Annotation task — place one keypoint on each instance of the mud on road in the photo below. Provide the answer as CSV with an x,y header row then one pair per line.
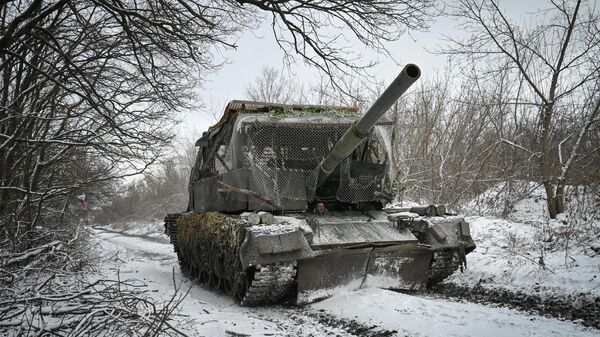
x,y
295,320
580,308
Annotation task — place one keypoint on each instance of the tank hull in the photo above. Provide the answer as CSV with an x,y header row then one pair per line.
x,y
302,258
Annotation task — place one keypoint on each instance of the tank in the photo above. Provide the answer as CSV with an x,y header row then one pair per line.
x,y
287,203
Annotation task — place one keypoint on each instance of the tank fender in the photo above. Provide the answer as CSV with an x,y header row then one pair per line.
x,y
266,244
448,232
465,230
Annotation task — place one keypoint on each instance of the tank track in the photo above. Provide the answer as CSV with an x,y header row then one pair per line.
x,y
271,284
444,263
171,231
171,228
254,286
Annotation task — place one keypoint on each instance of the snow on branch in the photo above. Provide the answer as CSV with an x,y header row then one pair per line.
x,y
40,295
32,252
101,308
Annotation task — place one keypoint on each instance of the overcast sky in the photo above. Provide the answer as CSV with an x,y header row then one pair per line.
x,y
258,49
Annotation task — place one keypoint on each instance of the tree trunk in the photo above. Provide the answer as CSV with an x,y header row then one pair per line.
x,y
546,161
560,198
550,198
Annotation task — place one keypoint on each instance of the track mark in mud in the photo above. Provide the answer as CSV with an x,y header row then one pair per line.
x,y
353,327
583,309
296,320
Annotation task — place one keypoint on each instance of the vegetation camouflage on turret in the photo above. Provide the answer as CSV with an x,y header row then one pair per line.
x,y
286,112
209,248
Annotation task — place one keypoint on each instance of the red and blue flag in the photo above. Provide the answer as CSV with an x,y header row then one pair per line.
x,y
83,200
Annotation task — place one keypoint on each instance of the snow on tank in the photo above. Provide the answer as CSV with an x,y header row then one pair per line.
x,y
251,230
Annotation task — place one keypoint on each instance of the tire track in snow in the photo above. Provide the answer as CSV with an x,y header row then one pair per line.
x,y
224,314
291,320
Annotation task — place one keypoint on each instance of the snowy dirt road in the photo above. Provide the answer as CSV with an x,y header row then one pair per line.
x,y
367,312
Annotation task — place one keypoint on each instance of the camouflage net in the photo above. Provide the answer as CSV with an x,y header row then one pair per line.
x,y
208,245
283,158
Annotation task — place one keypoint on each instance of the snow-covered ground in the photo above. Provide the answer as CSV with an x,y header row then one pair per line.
x,y
422,316
208,313
153,229
508,255
204,312
530,253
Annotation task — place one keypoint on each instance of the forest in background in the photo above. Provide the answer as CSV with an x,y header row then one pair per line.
x,y
518,102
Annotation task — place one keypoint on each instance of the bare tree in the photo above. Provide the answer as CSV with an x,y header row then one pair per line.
x,y
89,87
83,101
554,61
273,86
439,140
160,190
307,29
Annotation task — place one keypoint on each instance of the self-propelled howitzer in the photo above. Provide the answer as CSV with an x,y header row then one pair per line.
x,y
251,228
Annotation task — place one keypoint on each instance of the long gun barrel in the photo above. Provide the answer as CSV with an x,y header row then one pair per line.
x,y
352,138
